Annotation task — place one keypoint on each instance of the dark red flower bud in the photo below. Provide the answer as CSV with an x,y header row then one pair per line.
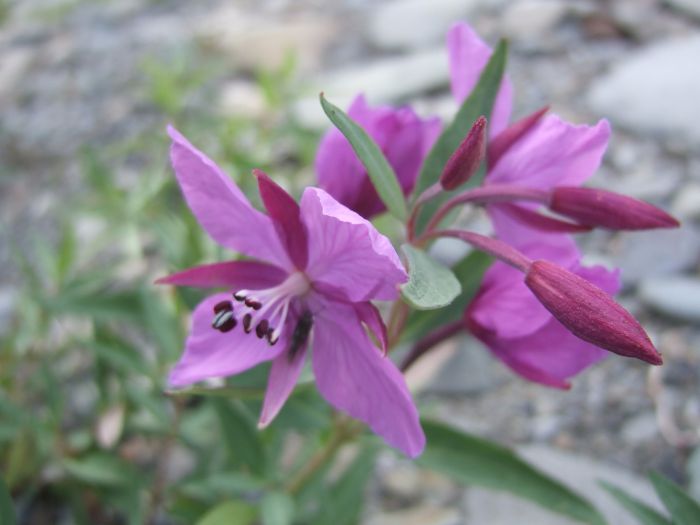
x,y
512,134
606,209
589,313
465,161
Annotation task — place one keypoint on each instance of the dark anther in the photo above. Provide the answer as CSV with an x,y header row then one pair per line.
x,y
224,321
238,296
252,303
223,306
270,331
261,329
247,319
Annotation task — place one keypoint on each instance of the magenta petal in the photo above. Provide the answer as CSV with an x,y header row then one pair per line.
x,y
284,374
230,274
370,316
210,353
346,252
220,206
553,153
353,376
468,55
284,212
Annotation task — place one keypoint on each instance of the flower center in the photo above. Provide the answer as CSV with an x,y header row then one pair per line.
x,y
264,311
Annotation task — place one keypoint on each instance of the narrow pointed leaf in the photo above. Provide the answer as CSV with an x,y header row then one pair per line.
x,y
7,511
480,102
641,511
683,508
378,168
430,284
474,461
241,438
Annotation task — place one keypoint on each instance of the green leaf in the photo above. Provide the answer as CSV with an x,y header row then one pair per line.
x,y
7,511
378,168
229,513
643,512
480,102
344,502
684,509
242,439
101,469
475,461
430,284
469,272
277,508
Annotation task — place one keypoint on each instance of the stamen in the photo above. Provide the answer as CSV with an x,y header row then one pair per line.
x,y
240,295
270,333
247,319
224,321
261,329
223,306
252,303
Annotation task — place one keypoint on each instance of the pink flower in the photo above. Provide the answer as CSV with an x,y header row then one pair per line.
x,y
317,265
521,332
404,138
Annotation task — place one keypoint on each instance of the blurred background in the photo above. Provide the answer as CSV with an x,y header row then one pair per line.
x,y
90,216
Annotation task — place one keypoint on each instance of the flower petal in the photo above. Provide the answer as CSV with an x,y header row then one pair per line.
x,y
210,353
354,377
348,257
553,153
284,212
220,206
468,55
284,374
234,275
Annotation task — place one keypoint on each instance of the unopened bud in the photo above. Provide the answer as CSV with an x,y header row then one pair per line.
x,y
465,161
606,209
589,313
512,134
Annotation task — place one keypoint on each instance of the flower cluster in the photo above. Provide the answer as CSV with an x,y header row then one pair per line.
x,y
316,266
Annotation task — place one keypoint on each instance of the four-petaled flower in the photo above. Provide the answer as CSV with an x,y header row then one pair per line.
x,y
318,266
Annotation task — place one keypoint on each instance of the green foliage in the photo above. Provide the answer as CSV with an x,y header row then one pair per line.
x,y
683,508
643,512
480,102
430,284
378,168
7,511
229,513
475,461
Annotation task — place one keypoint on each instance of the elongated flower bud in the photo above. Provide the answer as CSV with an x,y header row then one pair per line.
x,y
512,134
589,313
606,209
465,161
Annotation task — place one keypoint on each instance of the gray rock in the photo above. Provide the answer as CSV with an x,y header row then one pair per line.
x,y
686,205
690,7
655,90
639,429
385,80
655,253
677,297
530,20
426,514
415,24
581,473
471,369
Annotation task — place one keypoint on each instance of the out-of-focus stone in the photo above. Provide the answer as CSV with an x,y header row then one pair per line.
x,y
415,24
422,515
469,370
532,19
254,42
386,80
655,90
655,253
686,205
675,296
690,7
242,99
640,429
